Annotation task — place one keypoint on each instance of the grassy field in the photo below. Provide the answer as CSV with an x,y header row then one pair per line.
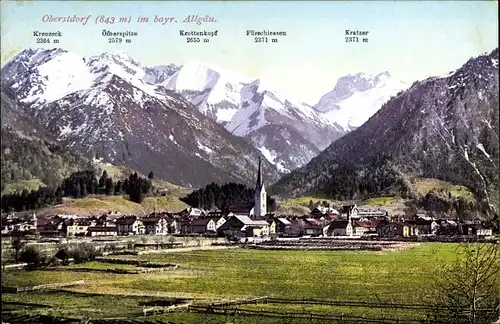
x,y
299,205
424,185
119,173
304,201
18,187
240,273
98,204
382,201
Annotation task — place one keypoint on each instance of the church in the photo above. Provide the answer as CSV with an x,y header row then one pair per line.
x,y
258,208
260,198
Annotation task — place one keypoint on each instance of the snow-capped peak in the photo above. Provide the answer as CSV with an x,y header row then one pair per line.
x,y
355,98
193,76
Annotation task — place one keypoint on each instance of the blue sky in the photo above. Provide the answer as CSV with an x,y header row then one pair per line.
x,y
410,39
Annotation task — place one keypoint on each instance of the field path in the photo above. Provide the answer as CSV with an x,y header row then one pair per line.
x,y
188,249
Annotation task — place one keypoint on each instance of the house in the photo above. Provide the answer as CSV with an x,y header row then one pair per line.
x,y
397,229
282,226
76,227
184,224
129,225
174,226
50,226
219,220
12,226
313,227
349,211
241,226
102,231
203,225
242,209
448,227
362,227
155,225
322,211
425,226
372,213
296,227
276,225
367,226
215,213
477,229
338,228
192,212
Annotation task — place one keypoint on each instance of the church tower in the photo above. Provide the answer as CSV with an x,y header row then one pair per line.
x,y
260,208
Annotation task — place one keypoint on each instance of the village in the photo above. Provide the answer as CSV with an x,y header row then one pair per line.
x,y
348,221
123,253
251,220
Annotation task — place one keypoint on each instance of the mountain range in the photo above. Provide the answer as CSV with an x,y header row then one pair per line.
x,y
287,131
111,107
442,127
101,107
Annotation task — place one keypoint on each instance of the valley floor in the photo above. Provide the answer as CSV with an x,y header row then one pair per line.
x,y
204,276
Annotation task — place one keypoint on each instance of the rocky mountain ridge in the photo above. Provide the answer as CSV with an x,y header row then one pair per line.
x,y
442,127
253,109
102,107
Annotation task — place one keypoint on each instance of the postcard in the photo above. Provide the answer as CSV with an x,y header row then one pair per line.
x,y
250,161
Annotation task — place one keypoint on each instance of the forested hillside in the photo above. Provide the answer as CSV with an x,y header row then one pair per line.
x,y
27,158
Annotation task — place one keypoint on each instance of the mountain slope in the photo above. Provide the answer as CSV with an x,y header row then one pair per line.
x,y
102,107
29,157
442,127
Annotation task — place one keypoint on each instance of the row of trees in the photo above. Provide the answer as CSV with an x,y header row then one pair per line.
x,y
34,258
222,197
313,204
79,185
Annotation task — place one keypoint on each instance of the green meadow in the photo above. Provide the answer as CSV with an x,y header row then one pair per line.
x,y
404,276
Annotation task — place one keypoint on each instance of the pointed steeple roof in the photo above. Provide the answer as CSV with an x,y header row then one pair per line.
x,y
260,180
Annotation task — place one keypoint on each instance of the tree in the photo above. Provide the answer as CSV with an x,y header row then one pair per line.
x,y
118,187
468,291
103,178
135,194
109,186
311,205
150,175
31,255
63,255
17,246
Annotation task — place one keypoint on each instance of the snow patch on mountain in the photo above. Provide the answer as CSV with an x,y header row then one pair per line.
x,y
481,147
204,148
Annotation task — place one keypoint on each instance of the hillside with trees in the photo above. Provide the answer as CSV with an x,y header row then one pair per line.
x,y
223,196
28,159
79,185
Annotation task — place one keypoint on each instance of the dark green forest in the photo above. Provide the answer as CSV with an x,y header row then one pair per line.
x,y
27,158
222,197
78,185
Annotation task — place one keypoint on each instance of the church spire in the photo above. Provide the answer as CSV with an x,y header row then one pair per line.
x,y
259,176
